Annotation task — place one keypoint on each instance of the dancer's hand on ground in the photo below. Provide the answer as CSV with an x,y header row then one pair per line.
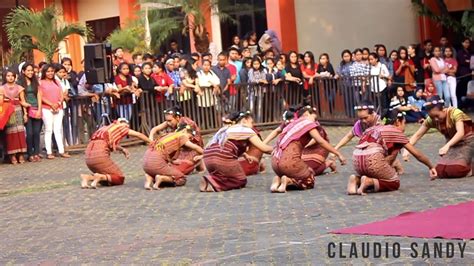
x,y
443,150
433,174
342,159
406,155
126,153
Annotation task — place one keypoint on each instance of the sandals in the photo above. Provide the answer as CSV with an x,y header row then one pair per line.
x,y
13,160
65,155
50,157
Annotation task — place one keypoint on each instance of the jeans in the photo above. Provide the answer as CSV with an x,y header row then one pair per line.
x,y
53,122
452,83
443,91
33,134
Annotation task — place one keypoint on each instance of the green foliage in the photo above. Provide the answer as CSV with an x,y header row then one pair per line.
x,y
27,29
131,38
465,26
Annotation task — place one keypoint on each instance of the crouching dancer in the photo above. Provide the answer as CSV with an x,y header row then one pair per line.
x,y
102,142
374,156
158,160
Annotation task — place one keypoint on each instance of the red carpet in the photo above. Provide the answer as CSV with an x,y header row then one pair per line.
x,y
450,222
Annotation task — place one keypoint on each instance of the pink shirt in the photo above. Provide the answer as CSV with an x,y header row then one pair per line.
x,y
50,91
451,63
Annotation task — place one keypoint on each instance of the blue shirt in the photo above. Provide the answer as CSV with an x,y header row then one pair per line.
x,y
238,65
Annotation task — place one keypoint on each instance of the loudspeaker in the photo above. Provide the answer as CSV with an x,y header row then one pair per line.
x,y
98,63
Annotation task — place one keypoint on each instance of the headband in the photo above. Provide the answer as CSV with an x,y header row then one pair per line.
x,y
171,112
242,114
227,121
435,102
385,120
364,107
122,120
309,107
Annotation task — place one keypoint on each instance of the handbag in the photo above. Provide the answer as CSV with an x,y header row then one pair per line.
x,y
32,112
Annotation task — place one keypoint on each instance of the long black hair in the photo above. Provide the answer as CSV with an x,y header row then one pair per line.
x,y
22,79
5,72
45,68
346,51
119,71
311,59
392,116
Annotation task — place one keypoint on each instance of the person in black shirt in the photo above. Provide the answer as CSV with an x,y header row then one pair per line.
x,y
145,81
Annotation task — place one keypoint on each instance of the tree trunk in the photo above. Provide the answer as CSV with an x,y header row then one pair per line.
x,y
201,39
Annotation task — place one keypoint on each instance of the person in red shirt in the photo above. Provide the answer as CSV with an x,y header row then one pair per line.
x,y
164,83
118,55
309,69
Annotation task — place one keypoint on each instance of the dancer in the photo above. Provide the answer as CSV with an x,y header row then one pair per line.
x,y
287,160
374,156
367,117
457,154
103,141
185,160
158,160
313,155
251,160
222,153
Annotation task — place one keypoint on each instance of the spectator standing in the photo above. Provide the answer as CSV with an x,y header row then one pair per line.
x,y
174,48
118,56
137,59
126,89
325,68
225,79
365,55
404,71
243,73
417,61
452,66
309,70
14,129
464,69
440,68
381,75
71,76
236,42
383,58
164,84
146,82
294,75
358,71
34,123
52,97
234,59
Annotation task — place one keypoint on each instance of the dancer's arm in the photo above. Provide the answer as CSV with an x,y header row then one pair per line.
x,y
455,139
326,145
422,158
195,147
139,135
156,129
257,142
414,139
272,135
344,140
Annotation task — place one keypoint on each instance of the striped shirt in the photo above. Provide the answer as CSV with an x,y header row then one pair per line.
x,y
389,137
170,144
112,133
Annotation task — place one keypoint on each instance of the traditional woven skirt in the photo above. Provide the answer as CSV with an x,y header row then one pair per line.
x,y
370,161
155,163
291,164
315,157
15,132
458,162
98,161
225,172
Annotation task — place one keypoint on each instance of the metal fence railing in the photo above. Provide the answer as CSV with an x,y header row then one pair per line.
x,y
334,99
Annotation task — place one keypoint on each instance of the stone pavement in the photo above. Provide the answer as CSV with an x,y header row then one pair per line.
x,y
46,218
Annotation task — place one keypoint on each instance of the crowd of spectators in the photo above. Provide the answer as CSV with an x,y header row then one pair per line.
x,y
404,77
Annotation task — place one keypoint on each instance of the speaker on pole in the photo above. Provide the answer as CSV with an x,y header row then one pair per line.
x,y
98,63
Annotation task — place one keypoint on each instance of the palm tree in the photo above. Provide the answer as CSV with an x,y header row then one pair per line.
x,y
165,21
27,29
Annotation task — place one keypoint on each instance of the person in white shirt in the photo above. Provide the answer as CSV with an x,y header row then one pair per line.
x,y
208,86
379,80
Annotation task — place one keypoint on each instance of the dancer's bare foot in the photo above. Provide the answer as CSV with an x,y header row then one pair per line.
x,y
203,184
85,180
332,165
148,182
283,184
352,185
275,184
158,180
398,167
97,179
364,183
262,169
